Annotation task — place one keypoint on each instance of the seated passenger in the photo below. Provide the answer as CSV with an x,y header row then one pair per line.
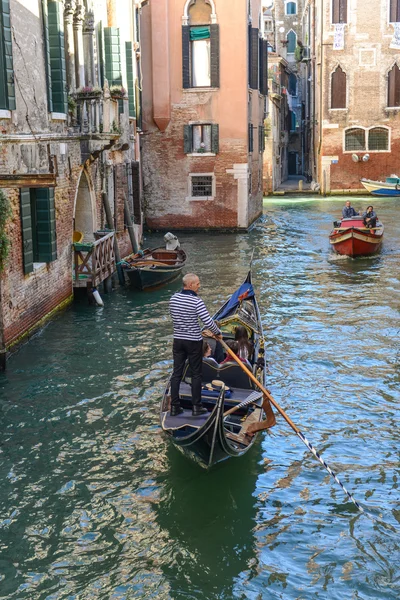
x,y
370,217
234,346
207,351
348,211
245,350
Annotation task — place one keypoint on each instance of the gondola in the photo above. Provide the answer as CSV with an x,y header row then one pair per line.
x,y
216,436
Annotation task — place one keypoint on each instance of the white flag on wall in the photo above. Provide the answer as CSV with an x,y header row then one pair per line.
x,y
338,40
395,43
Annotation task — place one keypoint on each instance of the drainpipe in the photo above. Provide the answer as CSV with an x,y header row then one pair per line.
x,y
3,352
321,71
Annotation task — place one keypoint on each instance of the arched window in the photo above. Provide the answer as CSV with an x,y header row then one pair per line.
x,y
292,87
355,139
291,8
292,41
378,138
293,121
394,86
200,45
338,89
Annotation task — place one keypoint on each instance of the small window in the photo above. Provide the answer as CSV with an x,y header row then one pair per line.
x,y
291,42
251,137
338,89
291,8
378,139
355,139
202,185
394,87
201,138
394,11
292,87
268,26
339,11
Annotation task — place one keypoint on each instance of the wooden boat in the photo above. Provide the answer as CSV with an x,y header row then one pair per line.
x,y
152,268
390,187
215,436
351,238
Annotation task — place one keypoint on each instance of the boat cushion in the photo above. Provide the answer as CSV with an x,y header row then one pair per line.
x,y
230,373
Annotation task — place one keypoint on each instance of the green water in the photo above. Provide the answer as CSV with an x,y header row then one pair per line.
x,y
94,503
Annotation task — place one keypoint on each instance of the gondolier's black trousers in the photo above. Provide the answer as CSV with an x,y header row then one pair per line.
x,y
183,349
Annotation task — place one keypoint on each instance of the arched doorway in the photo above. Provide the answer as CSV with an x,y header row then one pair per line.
x,y
85,212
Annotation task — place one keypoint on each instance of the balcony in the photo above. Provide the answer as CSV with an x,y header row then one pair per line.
x,y
94,261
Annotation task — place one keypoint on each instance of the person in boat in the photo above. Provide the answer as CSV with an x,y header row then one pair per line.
x,y
348,211
234,346
186,308
245,350
370,217
207,352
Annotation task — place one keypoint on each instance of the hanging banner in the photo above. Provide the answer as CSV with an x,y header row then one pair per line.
x,y
395,43
338,40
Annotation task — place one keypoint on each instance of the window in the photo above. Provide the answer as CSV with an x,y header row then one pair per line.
x,y
355,139
378,139
394,87
394,11
339,11
202,185
261,138
200,47
291,42
293,121
201,138
7,89
292,86
268,26
251,137
291,8
38,226
200,55
338,88
253,58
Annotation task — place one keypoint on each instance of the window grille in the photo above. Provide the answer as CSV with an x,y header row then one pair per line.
x,y
378,139
202,185
355,139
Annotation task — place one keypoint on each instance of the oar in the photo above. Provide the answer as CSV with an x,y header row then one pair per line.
x,y
290,422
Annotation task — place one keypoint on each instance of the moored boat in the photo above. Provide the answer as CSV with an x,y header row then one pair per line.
x,y
390,187
351,238
151,268
216,436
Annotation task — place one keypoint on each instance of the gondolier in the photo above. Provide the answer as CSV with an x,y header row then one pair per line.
x,y
186,308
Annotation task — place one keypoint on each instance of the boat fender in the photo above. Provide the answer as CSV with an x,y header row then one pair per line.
x,y
97,297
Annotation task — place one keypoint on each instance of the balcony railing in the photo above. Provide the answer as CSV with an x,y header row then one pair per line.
x,y
97,114
94,261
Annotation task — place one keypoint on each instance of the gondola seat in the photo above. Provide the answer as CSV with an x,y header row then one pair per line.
x,y
234,377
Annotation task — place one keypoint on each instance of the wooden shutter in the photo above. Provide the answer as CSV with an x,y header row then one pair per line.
x,y
394,86
57,56
263,67
339,11
112,56
7,88
394,11
249,54
47,56
137,209
130,79
215,138
251,142
338,89
254,58
186,57
26,227
46,225
214,58
187,139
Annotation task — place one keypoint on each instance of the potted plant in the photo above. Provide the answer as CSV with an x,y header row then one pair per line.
x,y
117,91
89,91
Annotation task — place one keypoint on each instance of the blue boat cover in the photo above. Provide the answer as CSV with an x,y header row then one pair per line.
x,y
246,291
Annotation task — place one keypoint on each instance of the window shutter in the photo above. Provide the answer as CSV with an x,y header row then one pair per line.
x,y
338,89
100,50
339,11
137,209
214,59
251,143
130,79
187,139
7,88
112,56
186,56
394,11
46,225
249,53
254,58
26,226
57,56
263,71
47,58
394,86
215,139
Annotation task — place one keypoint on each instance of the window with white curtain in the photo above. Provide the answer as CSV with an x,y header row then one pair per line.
x,y
201,72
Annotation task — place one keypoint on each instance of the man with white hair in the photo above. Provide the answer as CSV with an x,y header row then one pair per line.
x,y
186,308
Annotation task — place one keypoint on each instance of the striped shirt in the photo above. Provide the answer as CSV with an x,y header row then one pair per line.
x,y
186,308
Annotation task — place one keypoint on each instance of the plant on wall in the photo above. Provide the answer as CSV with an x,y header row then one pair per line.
x,y
5,214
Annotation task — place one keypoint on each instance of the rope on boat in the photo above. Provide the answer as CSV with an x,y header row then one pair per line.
x,y
321,460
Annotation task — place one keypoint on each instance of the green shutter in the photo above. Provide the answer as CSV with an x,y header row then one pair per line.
x,y
251,141
215,139
47,54
254,58
26,226
187,139
263,67
130,79
7,88
57,56
100,45
46,225
186,56
112,55
214,54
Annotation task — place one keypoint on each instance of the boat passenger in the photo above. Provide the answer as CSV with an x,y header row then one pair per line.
x,y
245,346
348,211
186,308
370,217
234,346
207,352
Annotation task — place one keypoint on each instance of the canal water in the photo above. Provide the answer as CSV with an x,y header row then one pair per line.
x,y
94,503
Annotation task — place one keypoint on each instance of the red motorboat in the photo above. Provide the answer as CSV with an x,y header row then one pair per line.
x,y
351,238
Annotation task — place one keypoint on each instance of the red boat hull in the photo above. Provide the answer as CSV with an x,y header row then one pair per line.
x,y
355,242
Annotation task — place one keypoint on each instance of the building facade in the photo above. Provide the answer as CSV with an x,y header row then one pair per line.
x,y
69,146
203,113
